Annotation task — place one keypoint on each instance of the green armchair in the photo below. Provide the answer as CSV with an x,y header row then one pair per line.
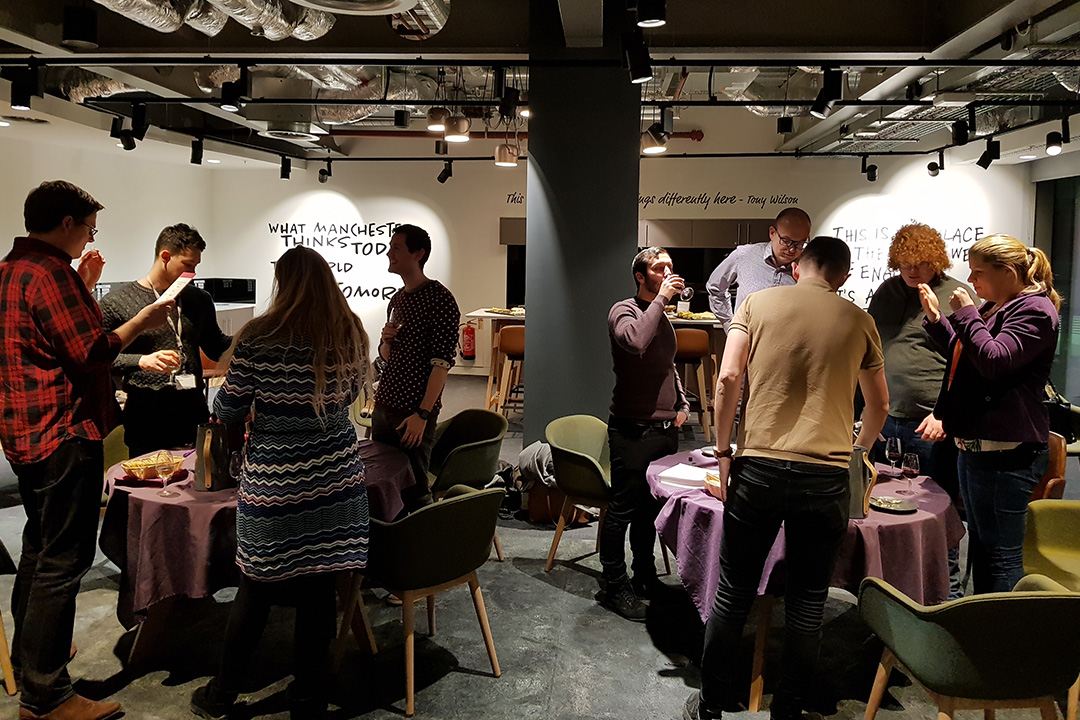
x,y
466,452
434,549
998,650
1052,541
579,451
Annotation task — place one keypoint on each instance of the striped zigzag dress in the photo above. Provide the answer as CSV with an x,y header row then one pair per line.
x,y
302,507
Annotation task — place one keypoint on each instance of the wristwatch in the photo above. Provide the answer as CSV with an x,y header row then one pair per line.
x,y
423,414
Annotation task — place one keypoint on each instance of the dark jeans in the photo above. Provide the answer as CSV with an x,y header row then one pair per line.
x,y
384,424
313,598
162,419
631,504
997,487
62,499
811,500
936,459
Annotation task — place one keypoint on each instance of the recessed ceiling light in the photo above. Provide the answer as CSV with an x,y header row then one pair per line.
x,y
4,123
119,145
213,161
1028,157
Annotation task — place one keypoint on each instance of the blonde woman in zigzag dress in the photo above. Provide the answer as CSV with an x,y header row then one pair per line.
x,y
302,511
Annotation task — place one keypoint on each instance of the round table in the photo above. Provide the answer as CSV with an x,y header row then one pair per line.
x,y
186,545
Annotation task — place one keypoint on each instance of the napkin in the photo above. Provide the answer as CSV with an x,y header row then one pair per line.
x,y
683,475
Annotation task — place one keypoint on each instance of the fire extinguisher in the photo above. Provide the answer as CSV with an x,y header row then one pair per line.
x,y
468,340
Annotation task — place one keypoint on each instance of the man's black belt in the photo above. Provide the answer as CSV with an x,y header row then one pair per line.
x,y
628,424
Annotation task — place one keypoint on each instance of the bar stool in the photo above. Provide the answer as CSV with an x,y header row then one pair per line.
x,y
691,348
512,348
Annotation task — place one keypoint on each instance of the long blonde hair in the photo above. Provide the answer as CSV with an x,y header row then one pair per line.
x,y
1029,264
308,305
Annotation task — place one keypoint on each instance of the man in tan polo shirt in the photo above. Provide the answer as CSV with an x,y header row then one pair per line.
x,y
803,349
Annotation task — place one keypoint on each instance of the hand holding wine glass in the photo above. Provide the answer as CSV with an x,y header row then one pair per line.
x,y
687,293
910,470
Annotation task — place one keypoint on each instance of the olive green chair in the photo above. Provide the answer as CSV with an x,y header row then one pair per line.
x,y
1052,541
466,452
998,650
431,550
579,451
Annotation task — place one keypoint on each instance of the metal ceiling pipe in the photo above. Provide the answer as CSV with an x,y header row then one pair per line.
x,y
206,18
276,20
78,84
160,15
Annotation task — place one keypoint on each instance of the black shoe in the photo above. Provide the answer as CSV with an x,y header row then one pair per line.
x,y
650,587
618,595
693,710
213,704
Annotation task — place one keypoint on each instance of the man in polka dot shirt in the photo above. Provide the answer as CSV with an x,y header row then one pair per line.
x,y
416,351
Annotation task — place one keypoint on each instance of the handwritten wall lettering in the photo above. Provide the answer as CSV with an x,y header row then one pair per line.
x,y
706,199
515,198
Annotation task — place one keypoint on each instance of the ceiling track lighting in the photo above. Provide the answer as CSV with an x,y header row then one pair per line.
x,y
286,167
785,125
506,155
442,147
401,119
972,121
523,110
831,91
960,132
654,140
116,127
80,28
21,92
870,171
326,173
230,97
127,140
933,168
447,171
457,129
139,125
508,104
637,58
651,13
436,119
1055,139
990,154
196,151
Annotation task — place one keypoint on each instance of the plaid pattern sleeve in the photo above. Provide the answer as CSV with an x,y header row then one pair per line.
x,y
55,356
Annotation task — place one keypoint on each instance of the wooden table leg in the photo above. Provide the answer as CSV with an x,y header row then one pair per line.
x,y
761,639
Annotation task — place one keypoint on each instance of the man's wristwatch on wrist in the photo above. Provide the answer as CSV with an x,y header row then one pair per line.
x,y
423,414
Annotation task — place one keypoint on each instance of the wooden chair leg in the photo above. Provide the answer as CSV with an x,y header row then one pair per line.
x,y
493,364
764,622
485,628
408,611
667,560
600,526
431,615
704,417
988,713
361,625
346,621
498,547
881,680
946,708
504,388
567,508
5,660
1074,700
1048,709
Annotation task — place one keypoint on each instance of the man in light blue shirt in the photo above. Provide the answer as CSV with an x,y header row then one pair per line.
x,y
759,265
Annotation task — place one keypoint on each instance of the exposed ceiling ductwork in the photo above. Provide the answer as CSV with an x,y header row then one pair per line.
x,y
272,19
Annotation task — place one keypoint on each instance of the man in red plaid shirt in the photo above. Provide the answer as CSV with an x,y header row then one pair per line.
x,y
58,405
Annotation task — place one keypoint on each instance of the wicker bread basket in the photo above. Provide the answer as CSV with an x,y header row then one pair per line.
x,y
145,468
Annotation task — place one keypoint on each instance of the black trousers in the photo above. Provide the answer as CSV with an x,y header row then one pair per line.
x,y
162,419
631,505
316,613
62,499
384,424
811,500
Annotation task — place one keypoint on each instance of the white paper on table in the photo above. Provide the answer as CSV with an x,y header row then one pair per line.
x,y
683,475
173,290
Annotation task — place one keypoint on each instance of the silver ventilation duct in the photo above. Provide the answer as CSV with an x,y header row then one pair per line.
x,y
437,12
360,7
160,15
206,18
277,20
78,84
401,86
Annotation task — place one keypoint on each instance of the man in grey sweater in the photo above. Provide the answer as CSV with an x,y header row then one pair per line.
x,y
648,406
161,371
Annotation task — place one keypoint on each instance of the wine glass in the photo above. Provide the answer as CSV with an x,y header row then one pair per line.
x,y
909,469
892,451
687,293
236,463
165,467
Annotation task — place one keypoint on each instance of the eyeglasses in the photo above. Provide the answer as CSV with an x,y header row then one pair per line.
x,y
93,230
914,266
792,244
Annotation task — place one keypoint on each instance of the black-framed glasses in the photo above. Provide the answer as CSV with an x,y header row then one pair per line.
x,y
93,230
792,244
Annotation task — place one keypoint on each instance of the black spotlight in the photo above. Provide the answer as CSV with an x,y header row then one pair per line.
x,y
960,132
196,151
831,91
636,55
401,119
1053,143
326,173
651,13
933,169
990,154
447,171
127,140
80,28
20,95
667,120
286,167
117,127
139,125
871,173
442,147
785,125
508,104
230,96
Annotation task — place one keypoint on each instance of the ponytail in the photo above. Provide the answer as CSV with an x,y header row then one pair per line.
x,y
1040,272
1030,265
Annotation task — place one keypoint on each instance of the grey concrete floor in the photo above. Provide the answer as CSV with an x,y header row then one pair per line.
x,y
562,656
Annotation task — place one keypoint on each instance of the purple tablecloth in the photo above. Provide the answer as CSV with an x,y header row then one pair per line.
x,y
908,551
186,545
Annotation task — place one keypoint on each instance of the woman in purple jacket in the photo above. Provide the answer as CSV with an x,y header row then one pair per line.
x,y
999,358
